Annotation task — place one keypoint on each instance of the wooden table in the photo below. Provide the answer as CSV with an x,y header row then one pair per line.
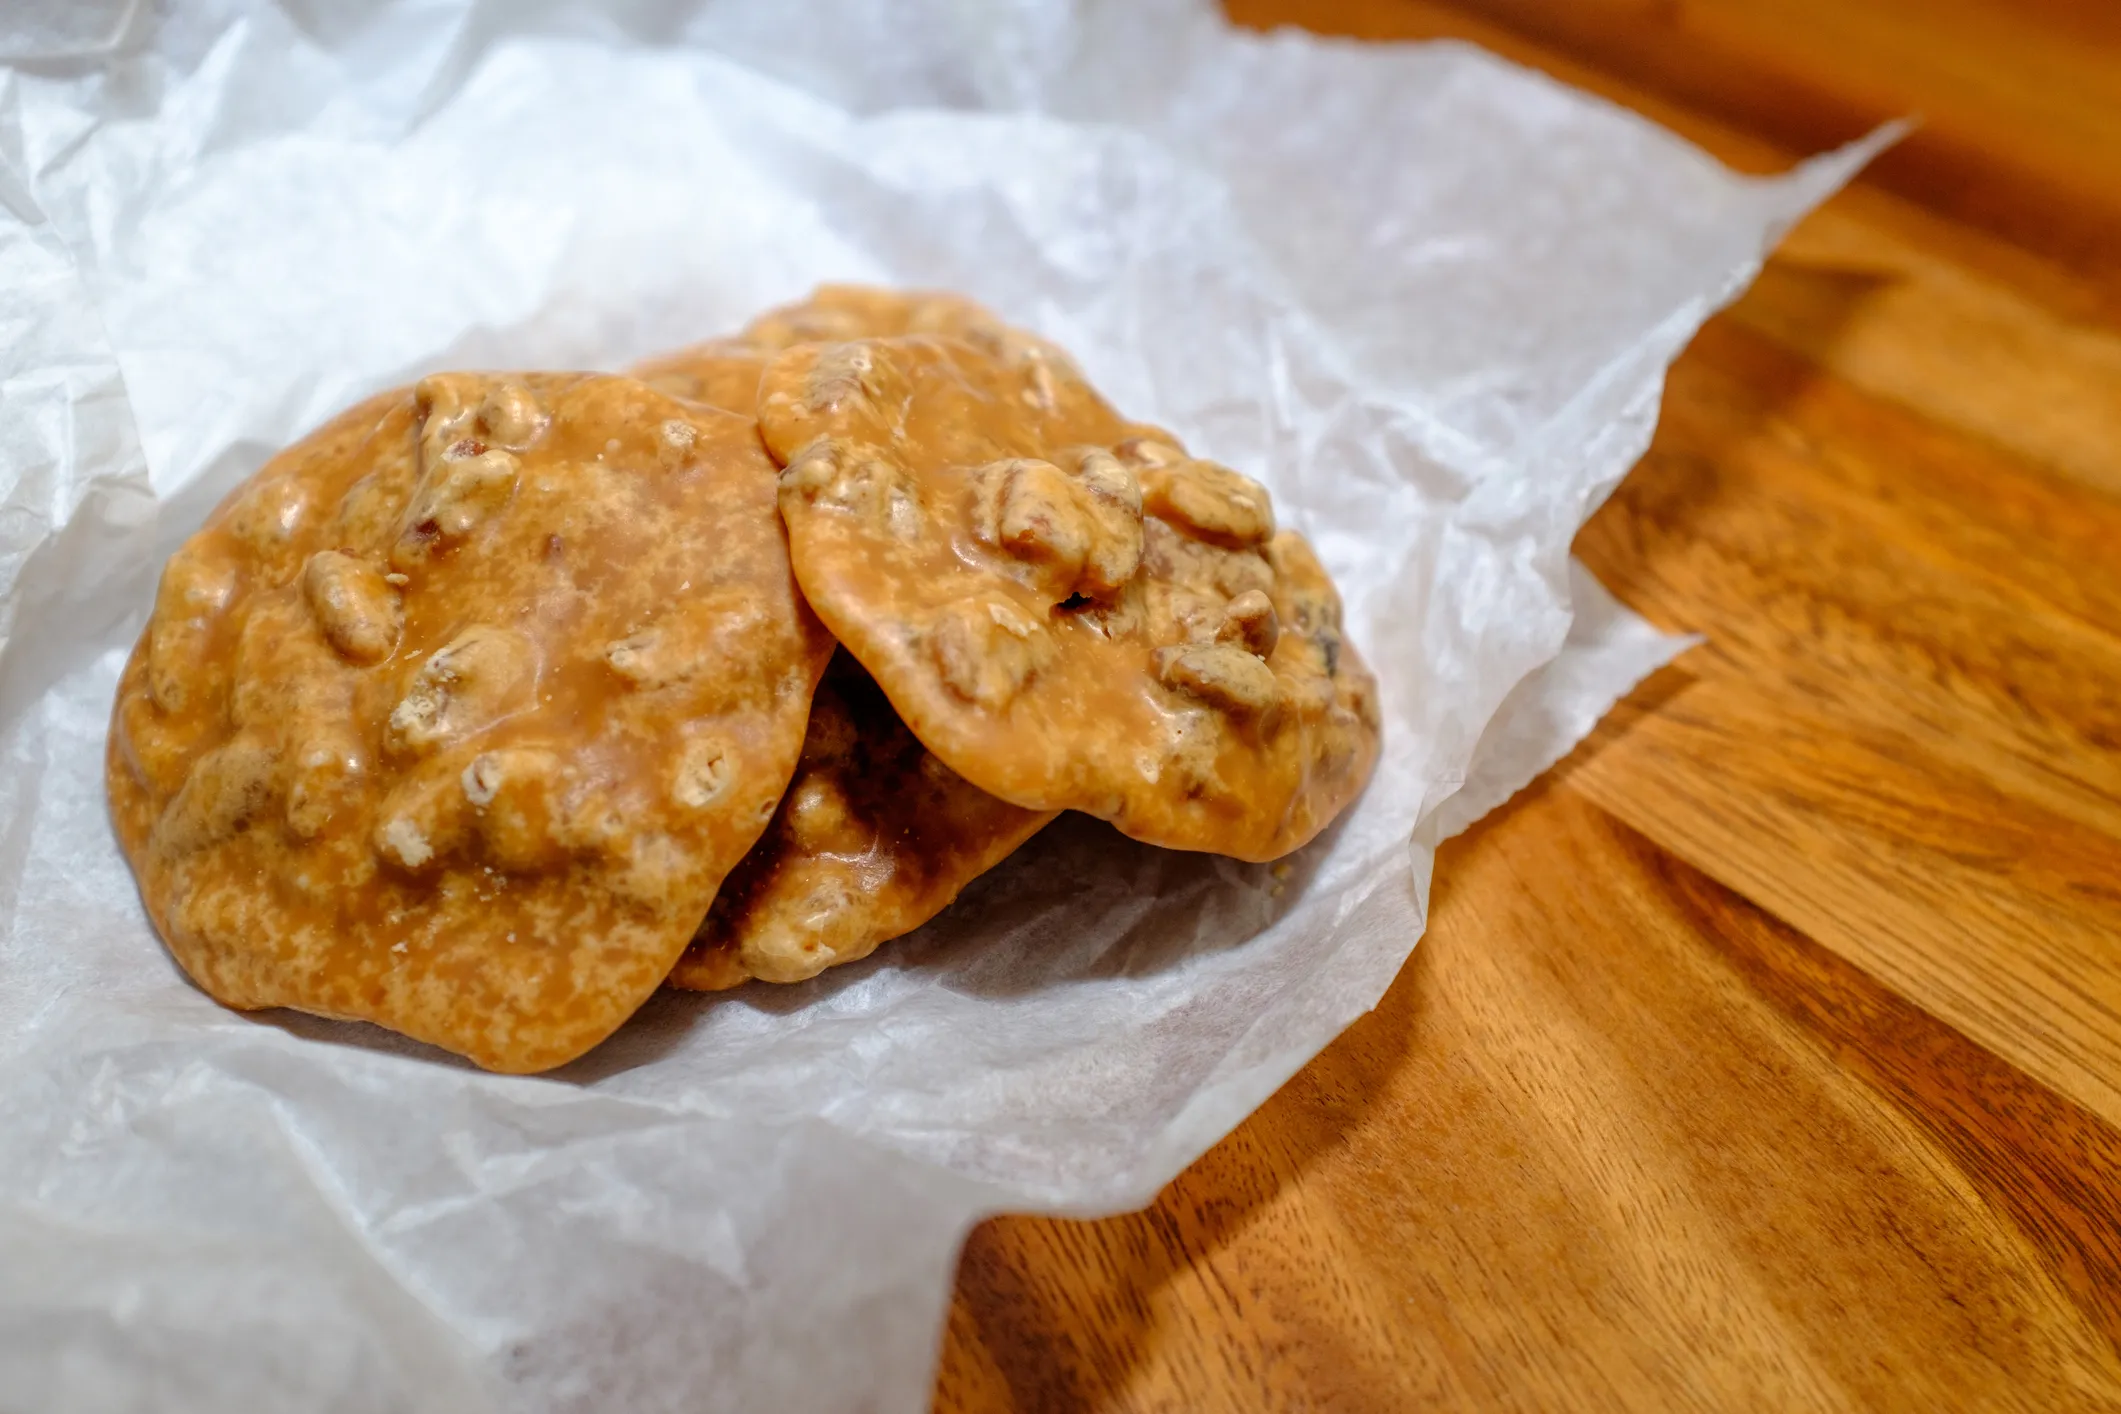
x,y
1767,1054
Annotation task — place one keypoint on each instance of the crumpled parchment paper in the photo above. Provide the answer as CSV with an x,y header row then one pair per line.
x,y
1428,297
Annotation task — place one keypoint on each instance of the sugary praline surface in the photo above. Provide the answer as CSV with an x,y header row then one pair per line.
x,y
454,717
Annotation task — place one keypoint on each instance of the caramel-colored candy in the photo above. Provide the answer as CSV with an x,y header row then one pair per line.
x,y
725,372
1066,608
722,373
874,837
456,715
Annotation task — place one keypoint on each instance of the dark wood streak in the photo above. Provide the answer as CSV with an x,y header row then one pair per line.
x,y
2047,1166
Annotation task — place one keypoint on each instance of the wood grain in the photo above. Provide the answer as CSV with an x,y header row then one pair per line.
x,y
1767,1054
2020,131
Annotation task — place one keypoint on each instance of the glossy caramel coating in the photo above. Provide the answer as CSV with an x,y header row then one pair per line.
x,y
837,313
1065,607
725,372
454,716
874,837
722,373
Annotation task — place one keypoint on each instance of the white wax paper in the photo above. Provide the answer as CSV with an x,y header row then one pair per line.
x,y
1427,297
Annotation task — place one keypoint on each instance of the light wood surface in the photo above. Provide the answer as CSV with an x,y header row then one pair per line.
x,y
1767,1054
